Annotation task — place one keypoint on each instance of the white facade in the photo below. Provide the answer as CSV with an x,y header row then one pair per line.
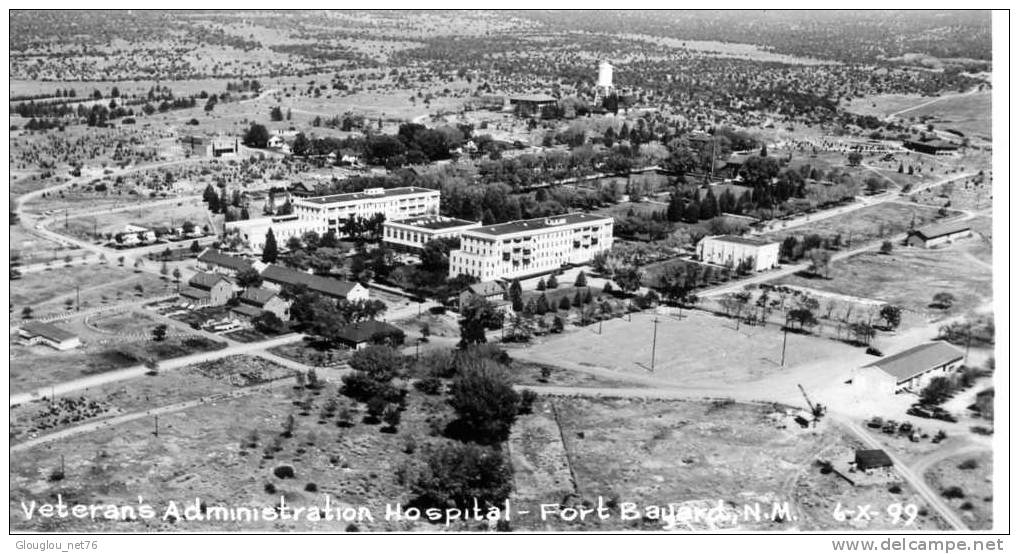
x,y
415,232
530,247
397,203
253,231
730,251
605,75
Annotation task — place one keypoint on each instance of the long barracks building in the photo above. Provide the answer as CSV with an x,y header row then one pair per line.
x,y
395,203
531,246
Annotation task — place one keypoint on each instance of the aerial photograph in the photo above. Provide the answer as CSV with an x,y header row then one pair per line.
x,y
502,271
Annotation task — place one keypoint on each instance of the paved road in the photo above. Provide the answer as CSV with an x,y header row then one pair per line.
x,y
137,371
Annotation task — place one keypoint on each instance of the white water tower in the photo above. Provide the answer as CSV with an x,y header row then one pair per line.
x,y
605,76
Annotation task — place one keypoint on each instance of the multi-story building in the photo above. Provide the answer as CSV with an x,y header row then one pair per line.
x,y
253,231
730,251
396,203
530,246
412,234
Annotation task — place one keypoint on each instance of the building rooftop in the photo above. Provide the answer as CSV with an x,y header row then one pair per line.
x,y
46,331
248,310
364,331
434,222
941,229
196,294
539,223
537,98
205,280
257,296
323,285
218,258
869,459
919,359
366,194
742,240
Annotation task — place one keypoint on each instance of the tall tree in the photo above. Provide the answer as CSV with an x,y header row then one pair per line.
x,y
270,251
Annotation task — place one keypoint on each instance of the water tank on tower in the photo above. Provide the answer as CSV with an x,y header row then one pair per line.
x,y
605,75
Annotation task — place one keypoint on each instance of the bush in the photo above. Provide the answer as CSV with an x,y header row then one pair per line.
x,y
460,474
270,488
284,472
968,464
485,402
311,487
429,385
527,398
953,492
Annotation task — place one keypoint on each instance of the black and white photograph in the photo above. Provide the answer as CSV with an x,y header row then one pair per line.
x,y
517,271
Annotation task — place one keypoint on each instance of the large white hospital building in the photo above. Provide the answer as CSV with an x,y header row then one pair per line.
x,y
395,203
531,246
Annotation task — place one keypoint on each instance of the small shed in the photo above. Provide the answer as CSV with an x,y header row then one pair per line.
x,y
872,459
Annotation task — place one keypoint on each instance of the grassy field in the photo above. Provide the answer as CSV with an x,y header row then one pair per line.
x,y
166,216
32,248
972,473
970,113
47,292
693,454
869,223
701,348
909,277
33,367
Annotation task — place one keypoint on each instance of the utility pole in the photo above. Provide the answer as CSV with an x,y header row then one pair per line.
x,y
969,338
654,344
785,335
77,296
156,431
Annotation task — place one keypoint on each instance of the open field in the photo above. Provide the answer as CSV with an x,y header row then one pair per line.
x,y
162,389
969,113
972,474
694,454
225,452
165,216
700,348
908,277
33,367
32,248
869,223
47,292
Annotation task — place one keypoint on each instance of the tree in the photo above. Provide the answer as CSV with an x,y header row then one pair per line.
x,y
159,333
269,323
276,114
581,280
820,261
943,300
855,158
892,315
886,247
485,402
629,279
176,274
477,315
461,474
515,295
270,251
392,417
257,136
195,247
936,391
552,282
248,278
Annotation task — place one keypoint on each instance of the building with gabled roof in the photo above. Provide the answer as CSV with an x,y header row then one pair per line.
x,y
208,289
938,233
910,370
212,260
257,300
275,277
38,332
365,333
